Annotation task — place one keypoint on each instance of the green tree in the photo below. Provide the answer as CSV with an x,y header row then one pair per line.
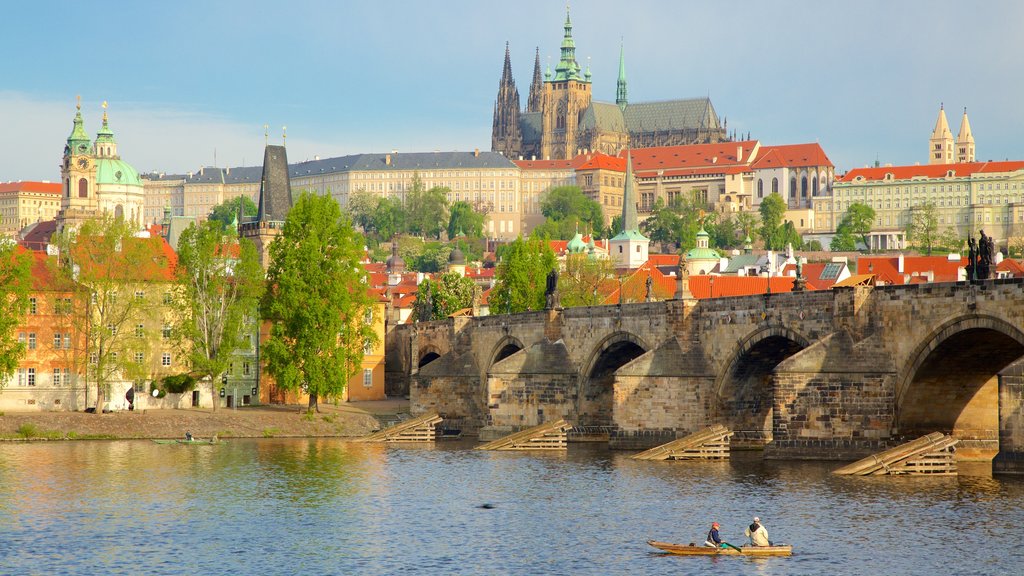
x,y
427,211
772,209
113,269
220,281
923,227
388,218
725,232
226,213
465,220
580,283
857,221
444,296
843,241
664,224
15,282
747,223
362,205
521,277
565,207
317,301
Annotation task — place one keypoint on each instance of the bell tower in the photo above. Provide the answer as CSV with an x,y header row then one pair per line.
x,y
940,146
566,96
505,135
78,176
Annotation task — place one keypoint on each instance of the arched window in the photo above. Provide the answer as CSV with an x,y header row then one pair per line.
x,y
760,188
775,185
792,187
67,188
83,188
803,186
119,212
814,186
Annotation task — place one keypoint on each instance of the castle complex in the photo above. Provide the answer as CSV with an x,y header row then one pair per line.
x,y
562,120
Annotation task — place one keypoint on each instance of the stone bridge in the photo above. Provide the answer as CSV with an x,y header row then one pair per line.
x,y
825,374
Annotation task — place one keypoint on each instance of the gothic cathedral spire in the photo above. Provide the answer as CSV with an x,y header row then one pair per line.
x,y
505,135
941,143
534,104
620,91
965,141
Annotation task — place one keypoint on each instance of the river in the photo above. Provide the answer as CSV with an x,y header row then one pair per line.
x,y
325,506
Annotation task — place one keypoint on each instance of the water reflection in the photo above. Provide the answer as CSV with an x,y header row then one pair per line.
x,y
325,506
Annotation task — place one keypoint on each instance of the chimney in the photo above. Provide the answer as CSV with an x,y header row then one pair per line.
x,y
387,159
228,170
476,152
201,168
899,264
739,153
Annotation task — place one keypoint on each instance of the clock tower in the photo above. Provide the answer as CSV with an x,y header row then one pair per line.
x,y
78,175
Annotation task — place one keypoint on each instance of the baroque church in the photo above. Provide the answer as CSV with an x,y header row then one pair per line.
x,y
95,180
561,120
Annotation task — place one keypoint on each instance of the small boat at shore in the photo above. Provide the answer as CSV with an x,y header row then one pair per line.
x,y
688,550
194,441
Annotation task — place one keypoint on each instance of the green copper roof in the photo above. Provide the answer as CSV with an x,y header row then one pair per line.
x,y
105,135
576,245
78,141
568,68
630,235
114,171
620,91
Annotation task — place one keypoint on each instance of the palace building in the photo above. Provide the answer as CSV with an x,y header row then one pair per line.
x,y
561,119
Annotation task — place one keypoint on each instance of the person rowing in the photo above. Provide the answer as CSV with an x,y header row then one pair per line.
x,y
714,539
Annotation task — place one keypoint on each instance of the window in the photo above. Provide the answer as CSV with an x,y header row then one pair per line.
x,y
139,357
367,377
31,376
166,332
56,340
56,376
21,337
167,297
22,376
67,340
31,340
368,348
140,330
93,359
139,295
246,370
32,308
165,359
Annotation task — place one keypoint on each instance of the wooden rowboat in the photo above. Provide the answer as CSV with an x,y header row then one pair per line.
x,y
168,441
685,550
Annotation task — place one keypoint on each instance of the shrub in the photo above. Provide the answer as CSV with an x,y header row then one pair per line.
x,y
178,383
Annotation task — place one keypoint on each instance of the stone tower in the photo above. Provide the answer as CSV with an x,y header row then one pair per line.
x,y
965,141
275,200
566,96
78,174
940,146
506,137
536,100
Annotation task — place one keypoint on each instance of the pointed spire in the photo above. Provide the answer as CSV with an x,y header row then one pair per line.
x,y
506,71
536,86
104,135
78,141
620,91
941,125
568,68
629,219
506,136
940,145
965,141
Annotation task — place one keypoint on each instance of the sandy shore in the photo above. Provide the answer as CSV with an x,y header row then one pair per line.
x,y
355,419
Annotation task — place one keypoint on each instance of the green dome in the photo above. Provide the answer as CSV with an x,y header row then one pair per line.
x,y
576,245
115,171
702,254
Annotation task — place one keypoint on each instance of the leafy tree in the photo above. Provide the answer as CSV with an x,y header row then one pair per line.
x,y
663,225
220,281
725,232
843,241
317,301
427,257
789,236
114,269
812,246
565,207
951,240
464,219
446,295
388,218
772,209
15,281
923,227
227,212
579,284
857,221
747,224
521,277
427,211
362,205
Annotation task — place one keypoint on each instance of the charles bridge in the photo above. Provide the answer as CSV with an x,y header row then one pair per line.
x,y
830,374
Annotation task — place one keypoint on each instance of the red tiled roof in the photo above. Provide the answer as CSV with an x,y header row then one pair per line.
x,y
663,259
812,273
1014,267
695,155
39,236
545,164
702,286
44,187
791,156
598,161
930,171
887,268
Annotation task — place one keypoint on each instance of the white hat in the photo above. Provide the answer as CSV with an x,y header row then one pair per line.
x,y
756,519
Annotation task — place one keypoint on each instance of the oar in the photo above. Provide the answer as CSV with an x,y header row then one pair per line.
x,y
733,547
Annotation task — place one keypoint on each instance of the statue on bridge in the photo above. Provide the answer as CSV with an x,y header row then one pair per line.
x,y
986,257
972,259
551,290
649,286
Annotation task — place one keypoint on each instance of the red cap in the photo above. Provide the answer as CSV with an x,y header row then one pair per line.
x,y
714,524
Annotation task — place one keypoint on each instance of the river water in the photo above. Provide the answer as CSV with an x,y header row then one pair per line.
x,y
325,506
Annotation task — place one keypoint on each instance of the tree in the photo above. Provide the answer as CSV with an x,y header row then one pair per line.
x,y
724,233
663,225
566,206
317,301
923,227
388,218
427,211
361,208
857,221
465,220
747,223
521,277
843,241
772,209
219,283
450,293
113,269
15,281
226,213
580,283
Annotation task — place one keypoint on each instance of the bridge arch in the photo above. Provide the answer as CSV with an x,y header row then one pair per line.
x,y
743,393
427,355
505,347
950,382
596,389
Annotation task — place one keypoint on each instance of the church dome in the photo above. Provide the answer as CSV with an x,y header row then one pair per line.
x,y
702,251
576,245
116,171
456,257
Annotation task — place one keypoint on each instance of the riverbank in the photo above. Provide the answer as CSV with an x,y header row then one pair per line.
x,y
270,421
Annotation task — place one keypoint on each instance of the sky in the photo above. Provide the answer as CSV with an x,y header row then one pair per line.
x,y
192,83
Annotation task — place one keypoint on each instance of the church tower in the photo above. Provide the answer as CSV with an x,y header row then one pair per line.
x,y
629,247
505,135
78,175
536,100
275,201
940,147
620,91
566,96
965,141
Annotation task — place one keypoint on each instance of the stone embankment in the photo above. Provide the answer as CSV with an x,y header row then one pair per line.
x,y
343,420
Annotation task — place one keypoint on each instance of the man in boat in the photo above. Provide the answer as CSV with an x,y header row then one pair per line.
x,y
714,539
188,437
757,533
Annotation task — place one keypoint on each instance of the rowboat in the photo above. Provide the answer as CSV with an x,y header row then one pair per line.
x,y
687,550
189,441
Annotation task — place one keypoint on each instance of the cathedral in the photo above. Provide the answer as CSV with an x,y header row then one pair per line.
x,y
561,120
95,179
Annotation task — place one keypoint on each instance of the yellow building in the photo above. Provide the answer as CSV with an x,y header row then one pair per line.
x,y
536,178
24,203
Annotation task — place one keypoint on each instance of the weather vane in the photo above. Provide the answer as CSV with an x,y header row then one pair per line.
x,y
284,135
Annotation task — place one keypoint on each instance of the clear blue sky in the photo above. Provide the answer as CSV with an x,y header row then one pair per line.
x,y
186,78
